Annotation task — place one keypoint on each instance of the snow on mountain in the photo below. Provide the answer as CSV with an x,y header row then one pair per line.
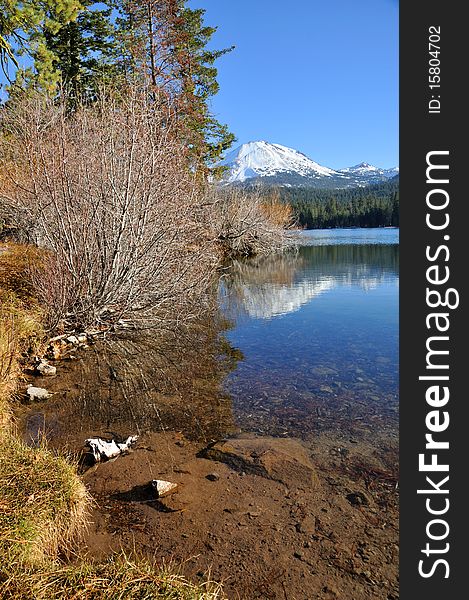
x,y
280,165
389,173
263,159
362,169
366,170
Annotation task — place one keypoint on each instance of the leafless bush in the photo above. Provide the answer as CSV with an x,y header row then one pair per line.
x,y
246,225
115,205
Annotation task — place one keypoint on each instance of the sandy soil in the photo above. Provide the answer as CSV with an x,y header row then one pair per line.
x,y
299,532
275,518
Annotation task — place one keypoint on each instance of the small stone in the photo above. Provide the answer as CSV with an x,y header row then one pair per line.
x,y
163,488
37,393
213,476
45,369
298,555
307,526
72,339
357,499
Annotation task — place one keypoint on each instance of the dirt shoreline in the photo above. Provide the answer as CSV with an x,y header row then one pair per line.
x,y
271,517
262,536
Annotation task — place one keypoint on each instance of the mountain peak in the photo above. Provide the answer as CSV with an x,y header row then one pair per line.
x,y
281,165
265,159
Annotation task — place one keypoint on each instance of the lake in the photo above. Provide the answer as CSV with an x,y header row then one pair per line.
x,y
318,330
304,342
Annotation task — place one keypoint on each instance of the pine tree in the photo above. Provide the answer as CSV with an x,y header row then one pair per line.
x,y
22,26
166,43
84,51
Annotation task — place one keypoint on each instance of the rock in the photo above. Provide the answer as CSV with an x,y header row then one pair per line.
x,y
45,369
163,488
307,525
322,371
104,450
283,460
82,338
72,339
37,393
213,476
358,499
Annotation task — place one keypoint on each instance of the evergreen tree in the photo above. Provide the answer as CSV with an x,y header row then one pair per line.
x,y
22,26
372,206
166,42
84,50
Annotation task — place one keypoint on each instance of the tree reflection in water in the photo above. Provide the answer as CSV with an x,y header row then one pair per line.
x,y
146,382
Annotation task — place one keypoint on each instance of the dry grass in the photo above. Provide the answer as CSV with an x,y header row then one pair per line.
x,y
15,270
20,320
120,578
43,501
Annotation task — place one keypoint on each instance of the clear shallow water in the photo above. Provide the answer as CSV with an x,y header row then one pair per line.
x,y
313,347
319,333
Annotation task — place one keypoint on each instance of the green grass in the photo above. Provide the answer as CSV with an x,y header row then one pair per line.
x,y
42,501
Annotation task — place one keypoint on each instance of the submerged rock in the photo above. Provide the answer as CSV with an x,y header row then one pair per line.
x,y
283,460
37,393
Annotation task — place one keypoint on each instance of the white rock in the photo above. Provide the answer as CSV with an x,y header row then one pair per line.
x,y
104,450
72,339
82,338
163,488
37,393
44,368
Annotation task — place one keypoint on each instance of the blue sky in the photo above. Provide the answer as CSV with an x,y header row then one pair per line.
x,y
319,76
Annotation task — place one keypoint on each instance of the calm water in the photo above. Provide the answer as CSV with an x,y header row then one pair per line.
x,y
319,333
312,347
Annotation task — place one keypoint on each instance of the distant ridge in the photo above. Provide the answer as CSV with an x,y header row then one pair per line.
x,y
275,164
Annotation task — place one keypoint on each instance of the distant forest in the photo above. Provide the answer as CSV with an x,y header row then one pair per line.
x,y
372,206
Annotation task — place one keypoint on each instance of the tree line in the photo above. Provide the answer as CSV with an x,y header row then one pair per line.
x,y
372,206
83,46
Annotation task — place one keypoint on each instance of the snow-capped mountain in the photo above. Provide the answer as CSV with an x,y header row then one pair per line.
x,y
370,173
262,159
276,164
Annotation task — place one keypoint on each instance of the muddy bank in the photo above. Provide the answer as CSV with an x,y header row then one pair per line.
x,y
271,517
309,526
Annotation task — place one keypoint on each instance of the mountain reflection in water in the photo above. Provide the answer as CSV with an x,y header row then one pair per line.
x,y
319,332
274,286
313,346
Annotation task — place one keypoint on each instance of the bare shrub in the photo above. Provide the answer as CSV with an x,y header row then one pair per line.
x,y
114,203
247,224
277,212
